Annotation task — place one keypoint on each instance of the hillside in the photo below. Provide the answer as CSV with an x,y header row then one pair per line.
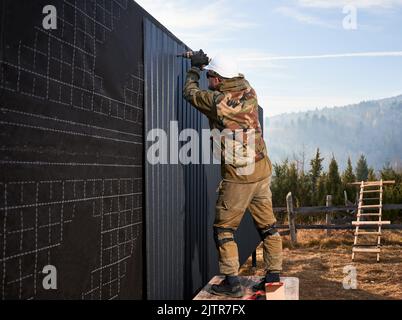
x,y
373,128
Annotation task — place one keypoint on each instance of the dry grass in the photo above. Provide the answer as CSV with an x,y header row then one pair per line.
x,y
318,262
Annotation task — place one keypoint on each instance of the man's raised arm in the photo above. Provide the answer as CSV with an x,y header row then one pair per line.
x,y
203,100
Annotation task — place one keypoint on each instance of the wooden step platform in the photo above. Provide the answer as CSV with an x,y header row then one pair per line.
x,y
291,288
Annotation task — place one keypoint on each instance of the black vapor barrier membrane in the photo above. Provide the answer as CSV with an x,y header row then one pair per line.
x,y
71,159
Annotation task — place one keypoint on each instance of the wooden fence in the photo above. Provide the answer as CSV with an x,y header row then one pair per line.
x,y
328,210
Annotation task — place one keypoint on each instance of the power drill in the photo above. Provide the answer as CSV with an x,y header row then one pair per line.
x,y
201,59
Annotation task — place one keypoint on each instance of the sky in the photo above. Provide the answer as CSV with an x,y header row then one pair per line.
x,y
299,55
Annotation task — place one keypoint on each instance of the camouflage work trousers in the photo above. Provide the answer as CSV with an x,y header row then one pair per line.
x,y
234,199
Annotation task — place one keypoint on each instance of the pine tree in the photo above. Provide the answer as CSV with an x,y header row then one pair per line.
x,y
392,193
321,193
315,173
292,179
304,190
334,183
362,170
371,175
348,177
387,172
279,187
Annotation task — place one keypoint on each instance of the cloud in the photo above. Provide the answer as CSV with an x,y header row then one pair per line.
x,y
254,59
363,4
328,56
297,10
303,17
278,104
198,22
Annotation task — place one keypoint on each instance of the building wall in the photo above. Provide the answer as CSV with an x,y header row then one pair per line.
x,y
75,190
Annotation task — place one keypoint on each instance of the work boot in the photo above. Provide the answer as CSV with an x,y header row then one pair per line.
x,y
270,277
230,286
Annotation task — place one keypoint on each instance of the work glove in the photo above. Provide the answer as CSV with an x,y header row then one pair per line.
x,y
199,59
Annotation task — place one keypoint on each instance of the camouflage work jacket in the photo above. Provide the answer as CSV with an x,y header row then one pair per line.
x,y
234,107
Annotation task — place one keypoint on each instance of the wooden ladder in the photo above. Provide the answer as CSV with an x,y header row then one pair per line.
x,y
374,190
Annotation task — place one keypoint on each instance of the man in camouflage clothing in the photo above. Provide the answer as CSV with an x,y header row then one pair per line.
x,y
231,104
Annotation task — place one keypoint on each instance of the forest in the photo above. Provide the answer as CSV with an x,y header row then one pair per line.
x,y
310,183
372,128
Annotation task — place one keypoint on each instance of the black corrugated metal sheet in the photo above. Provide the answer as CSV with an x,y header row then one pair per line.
x,y
180,199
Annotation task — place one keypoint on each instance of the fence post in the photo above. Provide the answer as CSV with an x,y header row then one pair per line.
x,y
291,217
328,214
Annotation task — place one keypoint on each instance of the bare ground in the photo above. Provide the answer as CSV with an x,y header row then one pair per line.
x,y
318,261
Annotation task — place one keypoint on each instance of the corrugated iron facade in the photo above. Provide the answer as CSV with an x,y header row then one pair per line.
x,y
176,195
180,199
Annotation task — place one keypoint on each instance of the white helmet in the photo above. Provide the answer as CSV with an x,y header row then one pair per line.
x,y
224,66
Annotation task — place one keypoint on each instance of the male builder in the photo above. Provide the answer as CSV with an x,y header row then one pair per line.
x,y
231,104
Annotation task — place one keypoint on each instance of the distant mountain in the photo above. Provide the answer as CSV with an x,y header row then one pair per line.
x,y
372,128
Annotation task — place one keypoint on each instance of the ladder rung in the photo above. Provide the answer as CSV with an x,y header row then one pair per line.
x,y
371,206
369,223
371,191
367,233
366,245
375,250
364,199
378,183
368,214
372,182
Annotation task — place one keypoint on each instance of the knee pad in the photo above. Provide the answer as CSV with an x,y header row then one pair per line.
x,y
221,242
268,232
